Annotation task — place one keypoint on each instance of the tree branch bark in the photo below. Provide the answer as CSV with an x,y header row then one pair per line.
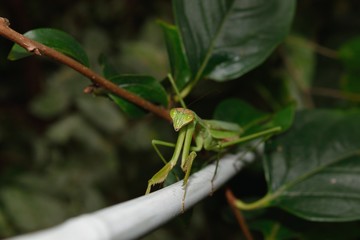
x,y
42,50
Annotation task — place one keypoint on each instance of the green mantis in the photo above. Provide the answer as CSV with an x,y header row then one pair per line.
x,y
211,135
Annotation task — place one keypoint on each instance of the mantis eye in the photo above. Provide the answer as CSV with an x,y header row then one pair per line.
x,y
173,113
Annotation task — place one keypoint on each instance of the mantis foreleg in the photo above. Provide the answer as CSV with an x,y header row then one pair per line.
x,y
183,145
161,175
161,143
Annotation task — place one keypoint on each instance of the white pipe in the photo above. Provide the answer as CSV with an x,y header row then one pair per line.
x,y
134,218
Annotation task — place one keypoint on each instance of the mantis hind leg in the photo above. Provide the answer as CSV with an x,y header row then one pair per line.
x,y
215,172
187,169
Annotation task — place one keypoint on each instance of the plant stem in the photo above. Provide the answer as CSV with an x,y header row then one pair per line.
x,y
261,203
42,50
239,217
306,97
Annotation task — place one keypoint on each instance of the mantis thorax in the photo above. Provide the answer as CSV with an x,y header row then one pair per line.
x,y
181,117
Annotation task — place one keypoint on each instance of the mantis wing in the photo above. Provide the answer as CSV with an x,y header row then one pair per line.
x,y
213,132
222,130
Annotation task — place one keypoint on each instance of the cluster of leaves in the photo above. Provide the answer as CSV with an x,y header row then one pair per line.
x,y
311,169
220,53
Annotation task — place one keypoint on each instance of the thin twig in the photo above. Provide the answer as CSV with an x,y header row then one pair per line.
x,y
294,74
42,50
239,217
324,51
317,48
328,92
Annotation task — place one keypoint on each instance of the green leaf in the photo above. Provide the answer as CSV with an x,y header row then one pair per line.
x,y
144,86
55,39
102,113
350,83
312,170
224,39
273,230
31,210
301,58
6,229
176,52
240,112
283,118
108,69
251,119
349,53
300,67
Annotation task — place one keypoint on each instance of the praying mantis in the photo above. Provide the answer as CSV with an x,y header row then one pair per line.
x,y
211,135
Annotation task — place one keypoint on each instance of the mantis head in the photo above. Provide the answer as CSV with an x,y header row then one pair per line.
x,y
181,117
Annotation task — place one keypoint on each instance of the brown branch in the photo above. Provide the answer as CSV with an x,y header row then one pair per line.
x,y
42,50
239,217
294,74
326,52
328,92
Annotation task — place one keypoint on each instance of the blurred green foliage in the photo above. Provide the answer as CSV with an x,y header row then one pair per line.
x,y
63,153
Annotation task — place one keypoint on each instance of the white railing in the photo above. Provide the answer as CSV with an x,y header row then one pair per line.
x,y
134,218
